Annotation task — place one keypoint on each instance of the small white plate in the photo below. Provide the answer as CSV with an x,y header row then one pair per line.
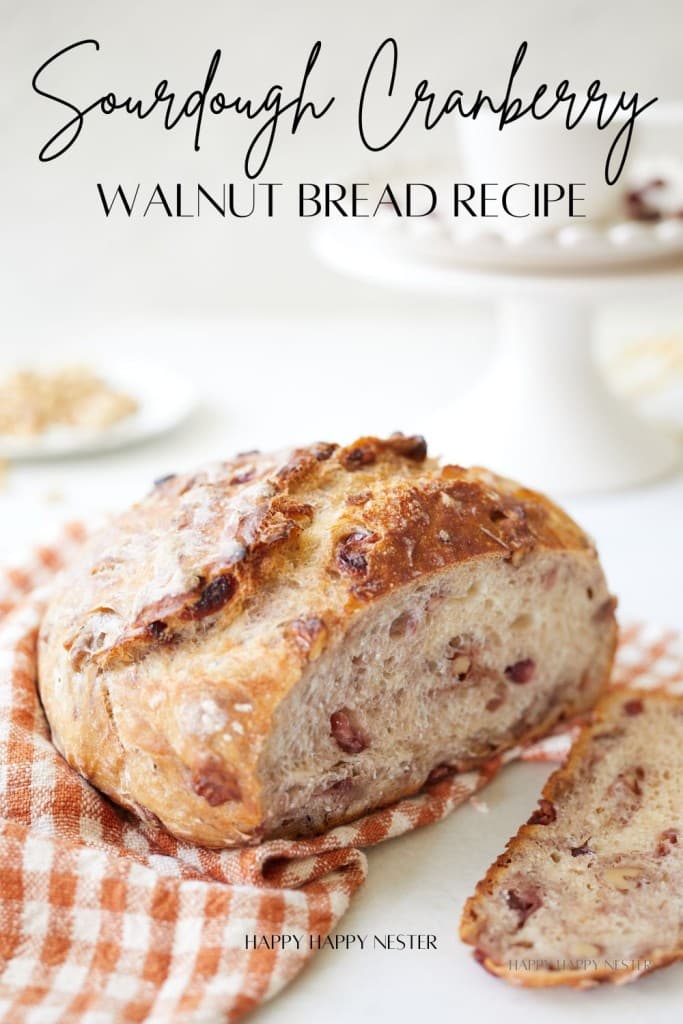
x,y
164,398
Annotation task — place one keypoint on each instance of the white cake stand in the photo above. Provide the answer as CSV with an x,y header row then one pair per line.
x,y
542,411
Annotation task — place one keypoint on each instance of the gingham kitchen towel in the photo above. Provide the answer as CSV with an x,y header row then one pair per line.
x,y
104,920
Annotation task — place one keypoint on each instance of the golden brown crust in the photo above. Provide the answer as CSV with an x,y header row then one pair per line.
x,y
617,703
204,603
202,543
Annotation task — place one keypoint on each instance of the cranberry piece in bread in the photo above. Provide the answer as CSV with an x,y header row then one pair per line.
x,y
279,643
605,868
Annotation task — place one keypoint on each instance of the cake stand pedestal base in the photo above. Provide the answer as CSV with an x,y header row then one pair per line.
x,y
543,411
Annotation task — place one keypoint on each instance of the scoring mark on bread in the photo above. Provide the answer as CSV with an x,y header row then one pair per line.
x,y
101,641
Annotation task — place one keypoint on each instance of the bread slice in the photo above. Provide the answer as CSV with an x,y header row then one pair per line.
x,y
591,888
276,644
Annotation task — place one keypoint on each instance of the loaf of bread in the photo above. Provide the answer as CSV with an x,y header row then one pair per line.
x,y
591,888
277,644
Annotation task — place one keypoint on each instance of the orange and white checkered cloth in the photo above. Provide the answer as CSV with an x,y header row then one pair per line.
x,y
105,920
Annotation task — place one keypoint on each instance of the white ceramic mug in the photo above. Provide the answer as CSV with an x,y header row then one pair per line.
x,y
544,151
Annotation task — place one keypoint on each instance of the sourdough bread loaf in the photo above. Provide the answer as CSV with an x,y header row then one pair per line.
x,y
591,888
279,643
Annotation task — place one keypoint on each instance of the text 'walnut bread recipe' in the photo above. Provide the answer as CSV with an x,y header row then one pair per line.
x,y
590,889
277,644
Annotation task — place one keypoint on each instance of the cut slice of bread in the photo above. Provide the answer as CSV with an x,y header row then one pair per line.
x,y
591,888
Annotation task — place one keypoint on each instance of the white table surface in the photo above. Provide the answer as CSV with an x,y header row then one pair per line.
x,y
274,383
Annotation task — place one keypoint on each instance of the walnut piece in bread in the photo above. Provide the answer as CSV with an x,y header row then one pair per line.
x,y
280,643
589,890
